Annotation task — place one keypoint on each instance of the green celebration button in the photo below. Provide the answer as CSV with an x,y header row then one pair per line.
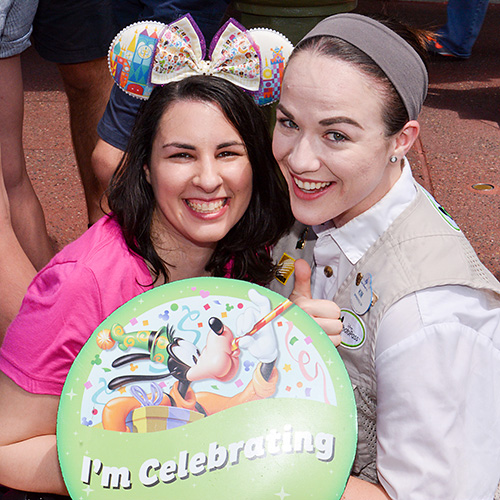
x,y
162,401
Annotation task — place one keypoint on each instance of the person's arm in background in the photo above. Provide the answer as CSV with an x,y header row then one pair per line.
x,y
358,489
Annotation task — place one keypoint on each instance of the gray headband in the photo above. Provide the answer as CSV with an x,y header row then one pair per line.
x,y
395,57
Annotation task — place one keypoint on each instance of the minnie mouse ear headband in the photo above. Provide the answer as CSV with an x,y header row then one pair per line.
x,y
397,58
150,53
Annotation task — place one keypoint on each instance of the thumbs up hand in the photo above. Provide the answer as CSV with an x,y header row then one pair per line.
x,y
325,312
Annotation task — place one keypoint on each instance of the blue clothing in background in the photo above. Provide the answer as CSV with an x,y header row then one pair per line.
x,y
464,21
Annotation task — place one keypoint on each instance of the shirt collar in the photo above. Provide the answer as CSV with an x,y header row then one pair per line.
x,y
356,236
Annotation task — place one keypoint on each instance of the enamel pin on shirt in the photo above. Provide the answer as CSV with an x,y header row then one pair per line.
x,y
362,296
286,264
301,242
285,268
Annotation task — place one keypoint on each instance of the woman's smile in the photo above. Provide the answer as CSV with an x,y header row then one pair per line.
x,y
204,208
309,187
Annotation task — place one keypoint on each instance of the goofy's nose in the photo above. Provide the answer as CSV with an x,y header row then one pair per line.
x,y
216,325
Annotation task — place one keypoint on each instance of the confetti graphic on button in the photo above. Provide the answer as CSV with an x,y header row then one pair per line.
x,y
97,360
248,365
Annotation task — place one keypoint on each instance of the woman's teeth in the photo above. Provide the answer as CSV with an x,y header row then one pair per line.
x,y
206,207
310,186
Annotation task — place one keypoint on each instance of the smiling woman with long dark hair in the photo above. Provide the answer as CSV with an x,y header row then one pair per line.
x,y
197,194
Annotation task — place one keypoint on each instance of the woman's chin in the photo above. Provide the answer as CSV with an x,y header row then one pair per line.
x,y
308,214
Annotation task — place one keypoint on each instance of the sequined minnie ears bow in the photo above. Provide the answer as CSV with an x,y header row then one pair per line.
x,y
150,53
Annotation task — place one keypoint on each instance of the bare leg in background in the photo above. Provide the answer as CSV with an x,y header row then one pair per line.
x,y
87,87
26,212
105,159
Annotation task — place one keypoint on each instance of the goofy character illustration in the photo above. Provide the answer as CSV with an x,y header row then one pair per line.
x,y
218,360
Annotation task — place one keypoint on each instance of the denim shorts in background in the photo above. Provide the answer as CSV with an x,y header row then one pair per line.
x,y
73,31
16,19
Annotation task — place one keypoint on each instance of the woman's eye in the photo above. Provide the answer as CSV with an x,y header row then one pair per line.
x,y
335,136
287,123
227,154
181,155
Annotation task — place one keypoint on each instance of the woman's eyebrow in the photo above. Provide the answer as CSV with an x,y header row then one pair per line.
x,y
339,119
230,143
325,122
179,145
281,108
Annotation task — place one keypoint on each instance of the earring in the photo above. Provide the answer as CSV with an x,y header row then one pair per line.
x,y
393,159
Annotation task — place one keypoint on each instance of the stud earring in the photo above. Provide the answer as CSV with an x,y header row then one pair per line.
x,y
393,159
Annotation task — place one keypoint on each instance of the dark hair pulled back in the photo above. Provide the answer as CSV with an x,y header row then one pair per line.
x,y
395,115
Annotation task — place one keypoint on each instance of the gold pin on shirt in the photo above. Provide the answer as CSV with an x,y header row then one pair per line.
x,y
301,242
286,266
328,271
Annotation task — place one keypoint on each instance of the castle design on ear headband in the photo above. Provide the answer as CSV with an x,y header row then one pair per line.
x,y
150,53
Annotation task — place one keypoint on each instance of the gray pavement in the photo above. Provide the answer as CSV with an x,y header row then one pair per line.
x,y
459,144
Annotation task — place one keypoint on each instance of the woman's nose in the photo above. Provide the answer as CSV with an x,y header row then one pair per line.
x,y
208,175
302,157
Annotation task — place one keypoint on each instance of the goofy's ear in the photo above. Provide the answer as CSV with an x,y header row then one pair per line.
x,y
406,138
